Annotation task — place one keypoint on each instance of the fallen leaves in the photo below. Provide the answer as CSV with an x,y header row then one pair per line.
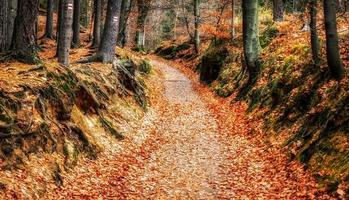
x,y
191,145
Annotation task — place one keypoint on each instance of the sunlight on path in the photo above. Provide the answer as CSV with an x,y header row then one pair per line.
x,y
189,161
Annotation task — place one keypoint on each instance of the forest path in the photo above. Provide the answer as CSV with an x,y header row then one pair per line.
x,y
208,152
191,145
188,163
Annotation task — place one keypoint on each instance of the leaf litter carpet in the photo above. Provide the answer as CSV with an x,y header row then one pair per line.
x,y
194,147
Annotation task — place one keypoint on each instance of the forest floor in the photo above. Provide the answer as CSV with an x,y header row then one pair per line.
x,y
198,146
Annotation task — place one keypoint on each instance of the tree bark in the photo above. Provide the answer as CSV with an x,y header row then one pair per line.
x,y
49,20
97,23
23,45
197,25
76,24
232,20
332,47
4,43
278,10
313,31
124,15
143,9
65,31
106,50
7,15
250,37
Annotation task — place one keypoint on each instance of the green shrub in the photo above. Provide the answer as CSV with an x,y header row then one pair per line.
x,y
145,67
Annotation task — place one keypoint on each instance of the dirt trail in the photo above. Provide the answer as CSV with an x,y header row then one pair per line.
x,y
187,156
188,163
199,161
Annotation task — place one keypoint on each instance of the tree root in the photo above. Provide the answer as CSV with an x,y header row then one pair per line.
x,y
89,59
53,37
108,127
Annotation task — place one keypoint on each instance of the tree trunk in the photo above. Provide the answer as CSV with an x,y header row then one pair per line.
x,y
49,20
23,45
97,23
106,51
59,18
196,25
232,20
65,31
143,9
8,10
125,11
250,37
278,10
332,48
313,30
4,43
76,24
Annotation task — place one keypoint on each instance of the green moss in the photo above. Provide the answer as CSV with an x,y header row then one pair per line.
x,y
140,50
300,49
212,61
145,67
172,51
268,35
224,90
109,127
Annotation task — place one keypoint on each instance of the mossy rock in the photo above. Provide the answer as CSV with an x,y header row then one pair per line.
x,y
212,62
145,67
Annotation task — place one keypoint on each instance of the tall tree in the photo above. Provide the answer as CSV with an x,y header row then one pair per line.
x,y
65,31
233,19
313,31
278,10
106,49
49,20
97,13
197,25
23,45
76,23
332,47
250,37
4,43
143,9
124,15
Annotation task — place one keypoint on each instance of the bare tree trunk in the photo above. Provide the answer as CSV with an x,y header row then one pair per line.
x,y
176,10
197,25
97,23
232,20
65,31
278,10
106,51
4,43
49,20
76,24
124,15
187,25
313,30
332,47
250,37
143,9
23,45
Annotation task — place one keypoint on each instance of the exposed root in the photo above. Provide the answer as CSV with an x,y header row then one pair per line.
x,y
45,36
89,59
108,127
